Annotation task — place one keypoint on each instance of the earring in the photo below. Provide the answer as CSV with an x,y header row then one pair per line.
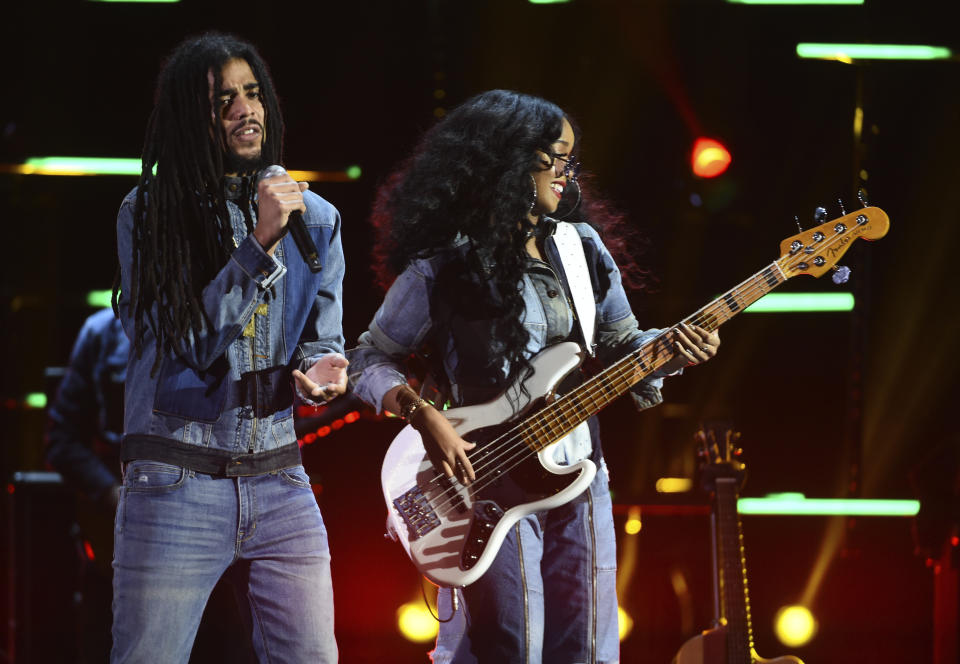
x,y
533,201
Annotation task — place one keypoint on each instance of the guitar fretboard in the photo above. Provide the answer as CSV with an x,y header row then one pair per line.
x,y
734,596
566,413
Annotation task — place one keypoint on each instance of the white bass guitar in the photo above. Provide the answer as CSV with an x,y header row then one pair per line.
x,y
453,532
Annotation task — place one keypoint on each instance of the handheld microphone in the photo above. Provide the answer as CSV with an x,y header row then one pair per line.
x,y
308,250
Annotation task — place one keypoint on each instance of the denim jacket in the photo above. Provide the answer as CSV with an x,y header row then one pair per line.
x,y
408,320
230,387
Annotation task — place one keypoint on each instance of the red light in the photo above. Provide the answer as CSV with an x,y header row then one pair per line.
x,y
323,431
709,158
955,541
309,438
336,425
87,549
10,489
351,417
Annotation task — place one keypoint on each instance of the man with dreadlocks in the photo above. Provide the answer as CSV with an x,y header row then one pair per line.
x,y
226,321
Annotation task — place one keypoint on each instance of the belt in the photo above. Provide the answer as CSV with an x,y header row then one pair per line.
x,y
207,460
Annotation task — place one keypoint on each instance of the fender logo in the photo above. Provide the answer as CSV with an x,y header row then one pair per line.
x,y
851,235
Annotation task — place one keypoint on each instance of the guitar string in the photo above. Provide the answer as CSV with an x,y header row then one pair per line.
x,y
615,374
620,374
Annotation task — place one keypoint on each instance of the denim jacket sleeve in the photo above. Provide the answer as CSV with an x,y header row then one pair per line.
x,y
398,329
323,332
617,330
229,300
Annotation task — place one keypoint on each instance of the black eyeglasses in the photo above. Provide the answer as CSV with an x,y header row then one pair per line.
x,y
571,167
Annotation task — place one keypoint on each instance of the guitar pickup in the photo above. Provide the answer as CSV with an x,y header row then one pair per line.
x,y
416,512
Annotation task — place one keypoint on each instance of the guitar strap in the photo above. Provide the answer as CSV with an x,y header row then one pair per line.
x,y
570,248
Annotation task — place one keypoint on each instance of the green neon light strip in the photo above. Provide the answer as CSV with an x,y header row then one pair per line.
x,y
36,400
100,298
872,52
106,166
795,2
801,302
80,166
798,504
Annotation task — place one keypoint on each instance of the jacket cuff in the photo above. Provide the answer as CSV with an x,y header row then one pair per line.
x,y
257,263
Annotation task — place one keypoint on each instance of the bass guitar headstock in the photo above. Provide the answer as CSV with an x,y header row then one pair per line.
x,y
816,250
720,456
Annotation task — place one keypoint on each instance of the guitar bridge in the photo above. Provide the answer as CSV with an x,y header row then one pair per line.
x,y
417,513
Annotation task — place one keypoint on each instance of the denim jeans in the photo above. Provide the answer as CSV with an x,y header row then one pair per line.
x,y
549,596
177,532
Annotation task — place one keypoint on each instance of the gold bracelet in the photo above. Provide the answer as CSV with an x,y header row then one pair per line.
x,y
407,411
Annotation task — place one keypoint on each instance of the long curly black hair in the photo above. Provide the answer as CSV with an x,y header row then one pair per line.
x,y
469,177
182,235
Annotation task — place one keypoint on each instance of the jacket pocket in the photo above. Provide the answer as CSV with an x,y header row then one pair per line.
x,y
184,392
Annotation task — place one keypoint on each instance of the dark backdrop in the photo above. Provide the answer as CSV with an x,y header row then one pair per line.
x,y
830,404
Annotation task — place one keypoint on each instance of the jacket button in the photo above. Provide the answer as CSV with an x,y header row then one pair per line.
x,y
552,293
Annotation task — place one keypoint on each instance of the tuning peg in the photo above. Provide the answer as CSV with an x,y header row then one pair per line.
x,y
841,274
862,196
820,214
842,210
797,220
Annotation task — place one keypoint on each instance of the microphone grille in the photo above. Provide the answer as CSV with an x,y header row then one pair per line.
x,y
271,172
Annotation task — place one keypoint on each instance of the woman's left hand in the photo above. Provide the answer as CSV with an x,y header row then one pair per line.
x,y
694,345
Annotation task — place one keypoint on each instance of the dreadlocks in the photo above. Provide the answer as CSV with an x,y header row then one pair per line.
x,y
182,234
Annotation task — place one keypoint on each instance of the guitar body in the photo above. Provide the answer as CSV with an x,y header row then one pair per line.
x,y
452,532
710,647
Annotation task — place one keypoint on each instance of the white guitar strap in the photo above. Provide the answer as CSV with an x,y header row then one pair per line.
x,y
570,248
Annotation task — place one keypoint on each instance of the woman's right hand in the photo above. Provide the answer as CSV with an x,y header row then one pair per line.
x,y
446,449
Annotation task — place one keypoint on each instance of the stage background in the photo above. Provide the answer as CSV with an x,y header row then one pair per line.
x,y
830,404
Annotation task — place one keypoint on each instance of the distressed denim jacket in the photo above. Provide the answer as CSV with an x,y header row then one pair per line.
x,y
230,386
407,321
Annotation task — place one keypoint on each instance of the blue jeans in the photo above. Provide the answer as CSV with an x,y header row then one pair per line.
x,y
177,532
550,595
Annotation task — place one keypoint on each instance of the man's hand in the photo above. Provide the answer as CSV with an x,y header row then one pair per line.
x,y
325,380
278,197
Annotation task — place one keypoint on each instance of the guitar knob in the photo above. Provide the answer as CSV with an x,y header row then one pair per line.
x,y
862,196
841,274
842,210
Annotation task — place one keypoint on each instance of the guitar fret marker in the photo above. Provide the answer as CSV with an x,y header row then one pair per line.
x,y
731,302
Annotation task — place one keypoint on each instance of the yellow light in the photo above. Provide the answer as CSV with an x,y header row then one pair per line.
x,y
415,622
625,623
633,524
674,484
794,625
